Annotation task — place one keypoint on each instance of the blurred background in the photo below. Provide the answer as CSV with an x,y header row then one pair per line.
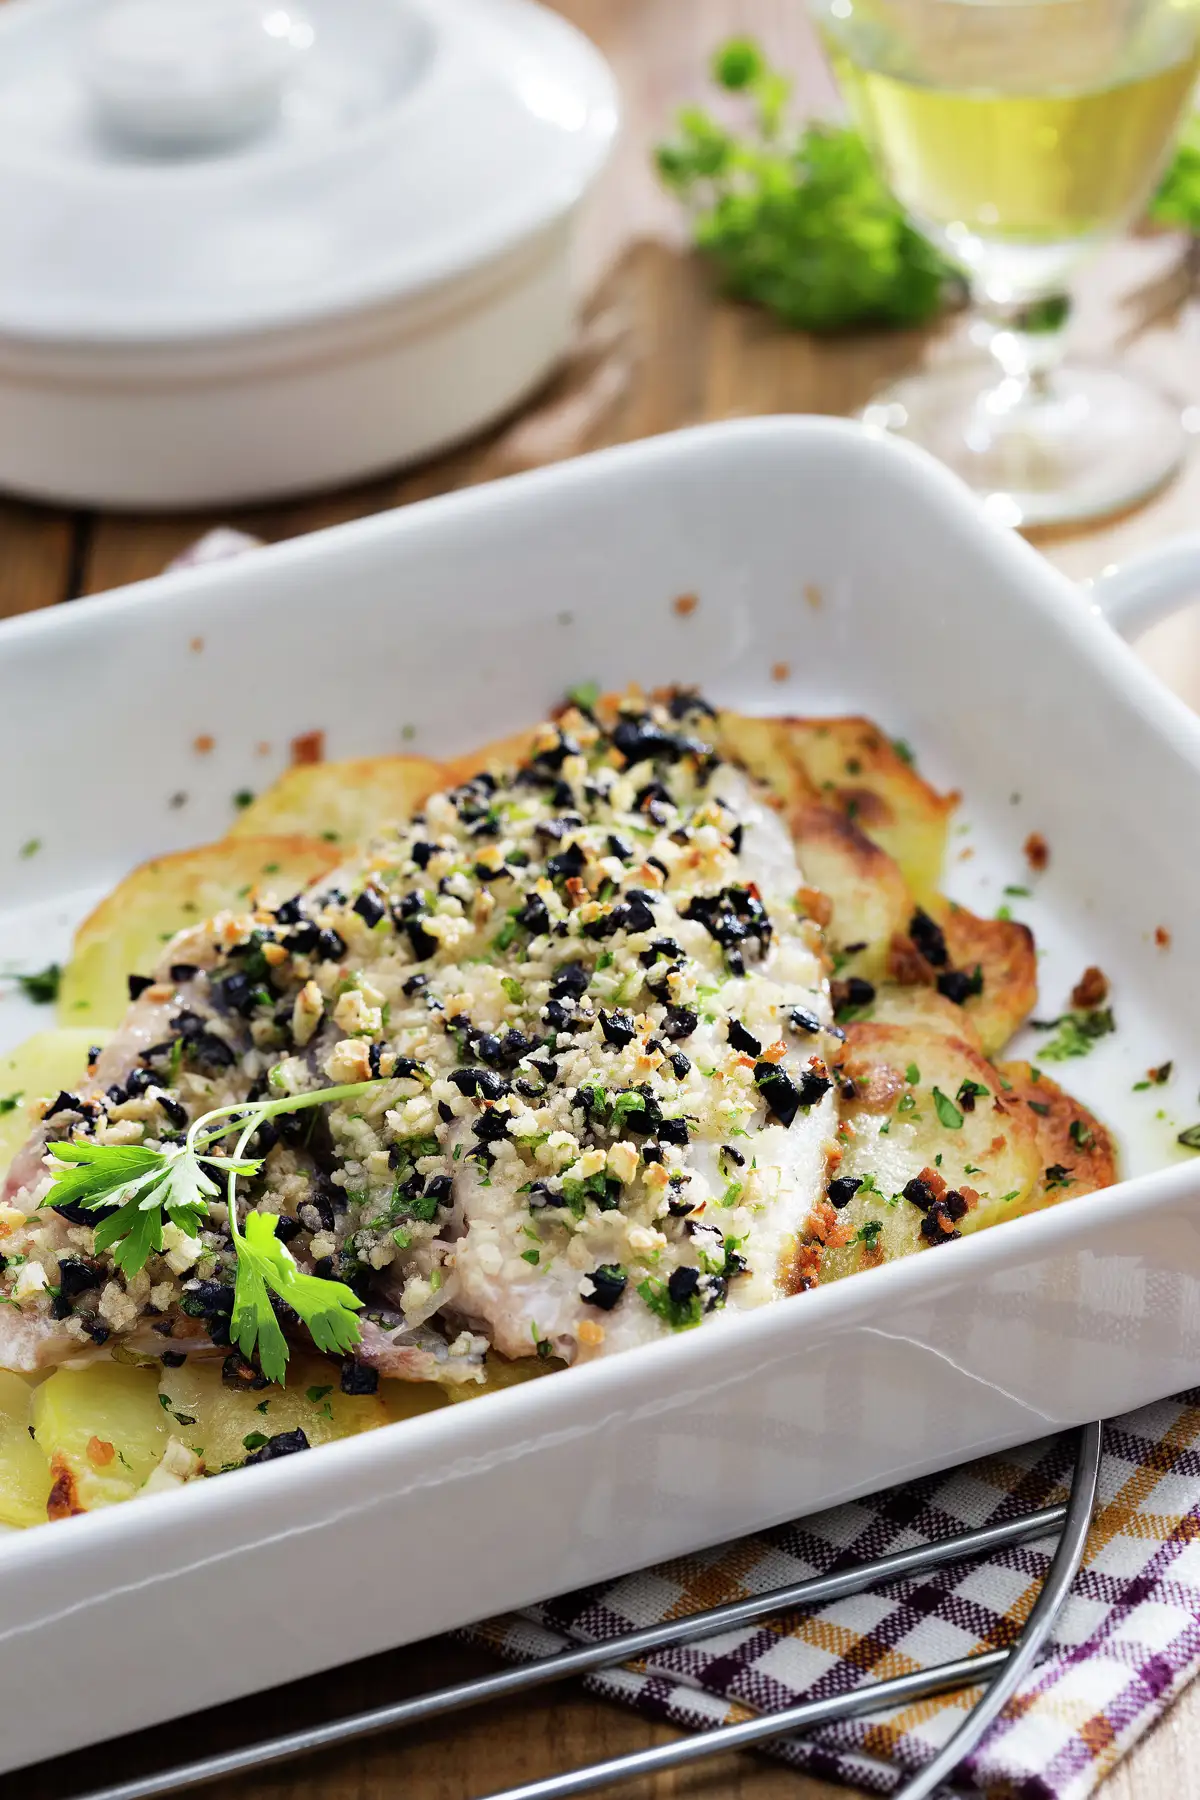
x,y
197,230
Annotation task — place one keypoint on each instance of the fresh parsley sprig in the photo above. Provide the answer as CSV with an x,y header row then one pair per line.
x,y
149,1188
799,221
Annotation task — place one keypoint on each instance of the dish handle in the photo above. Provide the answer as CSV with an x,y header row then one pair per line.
x,y
1137,594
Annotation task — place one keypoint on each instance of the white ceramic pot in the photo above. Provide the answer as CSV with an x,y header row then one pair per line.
x,y
361,274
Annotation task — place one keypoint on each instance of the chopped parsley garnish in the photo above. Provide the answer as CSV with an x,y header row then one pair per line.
x,y
948,1114
1190,1138
904,751
243,798
868,1233
1081,1135
29,848
912,1074
9,1103
1078,1033
584,695
41,986
969,1091
680,1315
1058,1176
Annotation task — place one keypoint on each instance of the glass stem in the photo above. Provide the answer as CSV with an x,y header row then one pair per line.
x,y
1026,338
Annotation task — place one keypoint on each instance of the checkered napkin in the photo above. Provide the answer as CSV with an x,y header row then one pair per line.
x,y
1123,1646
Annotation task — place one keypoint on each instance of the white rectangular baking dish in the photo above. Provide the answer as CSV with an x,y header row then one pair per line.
x,y
867,572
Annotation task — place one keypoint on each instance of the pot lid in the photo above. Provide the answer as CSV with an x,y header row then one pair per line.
x,y
174,170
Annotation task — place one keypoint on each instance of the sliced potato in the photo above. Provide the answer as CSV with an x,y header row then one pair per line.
x,y
501,753
1000,952
25,1478
850,764
341,802
765,747
894,1005
104,1432
499,1372
42,1066
1004,952
924,1102
868,896
1076,1153
216,1421
126,932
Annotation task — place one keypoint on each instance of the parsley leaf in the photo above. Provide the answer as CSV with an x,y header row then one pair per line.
x,y
1077,1033
798,220
9,1103
948,1114
326,1307
41,986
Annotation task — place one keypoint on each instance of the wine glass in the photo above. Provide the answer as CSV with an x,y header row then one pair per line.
x,y
1020,135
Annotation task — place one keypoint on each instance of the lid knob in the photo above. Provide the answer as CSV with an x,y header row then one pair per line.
x,y
179,75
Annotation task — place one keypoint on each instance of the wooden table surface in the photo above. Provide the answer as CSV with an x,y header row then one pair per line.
x,y
656,350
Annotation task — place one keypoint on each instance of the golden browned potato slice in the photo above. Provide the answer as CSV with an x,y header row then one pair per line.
x,y
223,1425
104,1432
988,966
24,1466
919,1005
869,899
925,1107
849,763
766,747
341,802
501,753
1004,952
126,933
1075,1150
42,1066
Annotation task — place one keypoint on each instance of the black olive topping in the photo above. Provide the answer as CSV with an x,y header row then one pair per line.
x,y
929,939
369,907
284,1443
801,1019
608,1283
359,1378
683,1284
842,1190
479,1084
958,986
743,1040
618,1028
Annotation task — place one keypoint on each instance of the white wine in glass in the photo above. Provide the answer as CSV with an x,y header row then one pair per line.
x,y
1020,135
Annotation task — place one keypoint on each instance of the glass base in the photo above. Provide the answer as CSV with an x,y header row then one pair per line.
x,y
1085,442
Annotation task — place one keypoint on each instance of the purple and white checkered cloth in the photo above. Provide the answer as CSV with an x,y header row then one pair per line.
x,y
1124,1645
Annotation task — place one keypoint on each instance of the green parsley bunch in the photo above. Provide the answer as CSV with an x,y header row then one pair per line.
x,y
798,221
152,1188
